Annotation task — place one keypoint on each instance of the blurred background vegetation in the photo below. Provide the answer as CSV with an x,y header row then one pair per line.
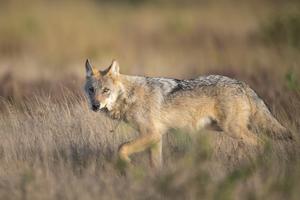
x,y
44,144
177,38
43,44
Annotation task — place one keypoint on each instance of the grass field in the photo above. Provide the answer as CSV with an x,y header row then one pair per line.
x,y
53,147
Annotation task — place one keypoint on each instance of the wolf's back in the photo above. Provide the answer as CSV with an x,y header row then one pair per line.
x,y
263,120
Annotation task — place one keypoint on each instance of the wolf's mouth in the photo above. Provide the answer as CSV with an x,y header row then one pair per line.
x,y
104,109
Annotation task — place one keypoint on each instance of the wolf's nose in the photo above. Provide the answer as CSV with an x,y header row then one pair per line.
x,y
95,107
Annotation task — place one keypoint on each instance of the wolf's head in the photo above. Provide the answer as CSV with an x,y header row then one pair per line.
x,y
102,88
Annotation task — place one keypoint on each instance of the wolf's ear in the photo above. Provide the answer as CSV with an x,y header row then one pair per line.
x,y
113,69
88,68
90,71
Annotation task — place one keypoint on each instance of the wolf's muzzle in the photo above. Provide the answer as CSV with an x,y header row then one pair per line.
x,y
95,107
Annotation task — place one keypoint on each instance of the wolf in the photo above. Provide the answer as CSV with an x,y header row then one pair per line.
x,y
152,105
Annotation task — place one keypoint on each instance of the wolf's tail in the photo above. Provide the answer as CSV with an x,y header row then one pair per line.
x,y
263,120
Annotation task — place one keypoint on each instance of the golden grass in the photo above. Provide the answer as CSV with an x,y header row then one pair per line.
x,y
61,150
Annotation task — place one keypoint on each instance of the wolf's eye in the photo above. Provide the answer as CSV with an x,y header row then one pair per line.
x,y
91,90
105,90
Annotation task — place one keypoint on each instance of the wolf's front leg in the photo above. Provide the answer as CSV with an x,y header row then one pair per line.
x,y
156,155
140,144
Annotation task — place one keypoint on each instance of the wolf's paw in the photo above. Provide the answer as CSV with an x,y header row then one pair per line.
x,y
122,165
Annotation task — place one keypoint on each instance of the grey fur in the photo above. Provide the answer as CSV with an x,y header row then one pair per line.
x,y
171,86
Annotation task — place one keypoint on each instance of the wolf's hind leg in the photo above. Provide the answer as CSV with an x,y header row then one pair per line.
x,y
241,132
235,121
248,136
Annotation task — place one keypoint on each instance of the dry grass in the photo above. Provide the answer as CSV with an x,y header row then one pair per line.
x,y
53,147
60,150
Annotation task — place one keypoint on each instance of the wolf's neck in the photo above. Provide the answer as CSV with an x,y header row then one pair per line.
x,y
130,85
